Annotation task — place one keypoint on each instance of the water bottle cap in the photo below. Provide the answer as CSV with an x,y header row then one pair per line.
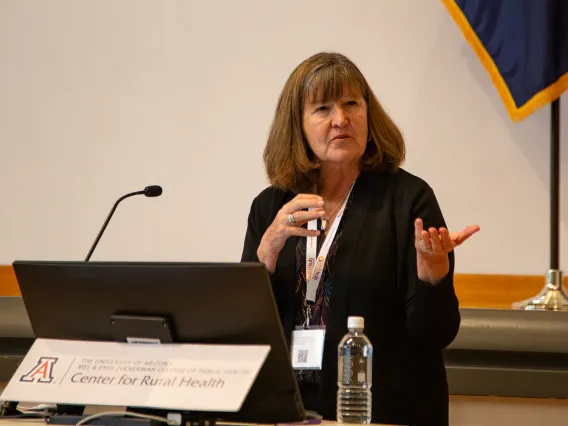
x,y
355,322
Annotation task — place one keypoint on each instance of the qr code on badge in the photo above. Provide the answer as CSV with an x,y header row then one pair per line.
x,y
302,356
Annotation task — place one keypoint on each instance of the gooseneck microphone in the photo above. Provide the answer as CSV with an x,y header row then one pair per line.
x,y
149,191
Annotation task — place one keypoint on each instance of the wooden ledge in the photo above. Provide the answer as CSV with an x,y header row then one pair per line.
x,y
473,290
8,282
496,291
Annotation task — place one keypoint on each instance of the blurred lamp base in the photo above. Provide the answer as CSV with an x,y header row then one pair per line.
x,y
553,297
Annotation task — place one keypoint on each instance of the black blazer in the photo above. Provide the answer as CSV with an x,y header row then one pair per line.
x,y
408,321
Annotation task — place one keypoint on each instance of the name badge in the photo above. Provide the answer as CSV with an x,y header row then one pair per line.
x,y
307,348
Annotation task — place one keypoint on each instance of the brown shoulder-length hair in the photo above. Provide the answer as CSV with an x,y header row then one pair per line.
x,y
289,161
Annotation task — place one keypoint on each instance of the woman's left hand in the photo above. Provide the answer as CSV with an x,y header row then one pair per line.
x,y
432,248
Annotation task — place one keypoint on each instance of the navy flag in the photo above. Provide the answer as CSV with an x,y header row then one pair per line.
x,y
523,45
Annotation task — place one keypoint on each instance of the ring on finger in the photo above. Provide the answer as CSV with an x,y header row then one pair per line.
x,y
291,219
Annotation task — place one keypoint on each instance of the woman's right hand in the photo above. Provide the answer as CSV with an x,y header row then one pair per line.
x,y
281,228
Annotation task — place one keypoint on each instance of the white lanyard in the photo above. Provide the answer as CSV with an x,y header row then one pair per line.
x,y
315,263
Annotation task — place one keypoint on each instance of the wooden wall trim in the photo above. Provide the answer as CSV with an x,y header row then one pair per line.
x,y
496,291
8,282
473,290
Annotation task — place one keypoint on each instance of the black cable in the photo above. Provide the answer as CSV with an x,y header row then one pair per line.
x,y
9,407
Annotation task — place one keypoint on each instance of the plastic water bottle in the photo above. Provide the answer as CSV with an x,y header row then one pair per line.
x,y
355,374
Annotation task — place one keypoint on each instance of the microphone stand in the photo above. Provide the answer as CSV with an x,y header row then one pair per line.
x,y
553,296
108,220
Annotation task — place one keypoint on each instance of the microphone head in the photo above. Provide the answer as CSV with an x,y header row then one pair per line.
x,y
153,191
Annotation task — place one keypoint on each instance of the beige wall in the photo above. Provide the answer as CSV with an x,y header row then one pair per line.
x,y
100,98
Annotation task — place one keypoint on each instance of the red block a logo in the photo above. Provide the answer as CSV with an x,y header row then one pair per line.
x,y
42,372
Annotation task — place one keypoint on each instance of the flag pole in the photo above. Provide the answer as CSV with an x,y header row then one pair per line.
x,y
553,296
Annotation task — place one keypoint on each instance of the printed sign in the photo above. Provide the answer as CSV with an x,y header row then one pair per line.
x,y
169,376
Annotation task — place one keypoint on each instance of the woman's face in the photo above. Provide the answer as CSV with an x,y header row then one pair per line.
x,y
337,129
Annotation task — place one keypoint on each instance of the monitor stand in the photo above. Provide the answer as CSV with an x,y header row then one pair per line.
x,y
135,329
